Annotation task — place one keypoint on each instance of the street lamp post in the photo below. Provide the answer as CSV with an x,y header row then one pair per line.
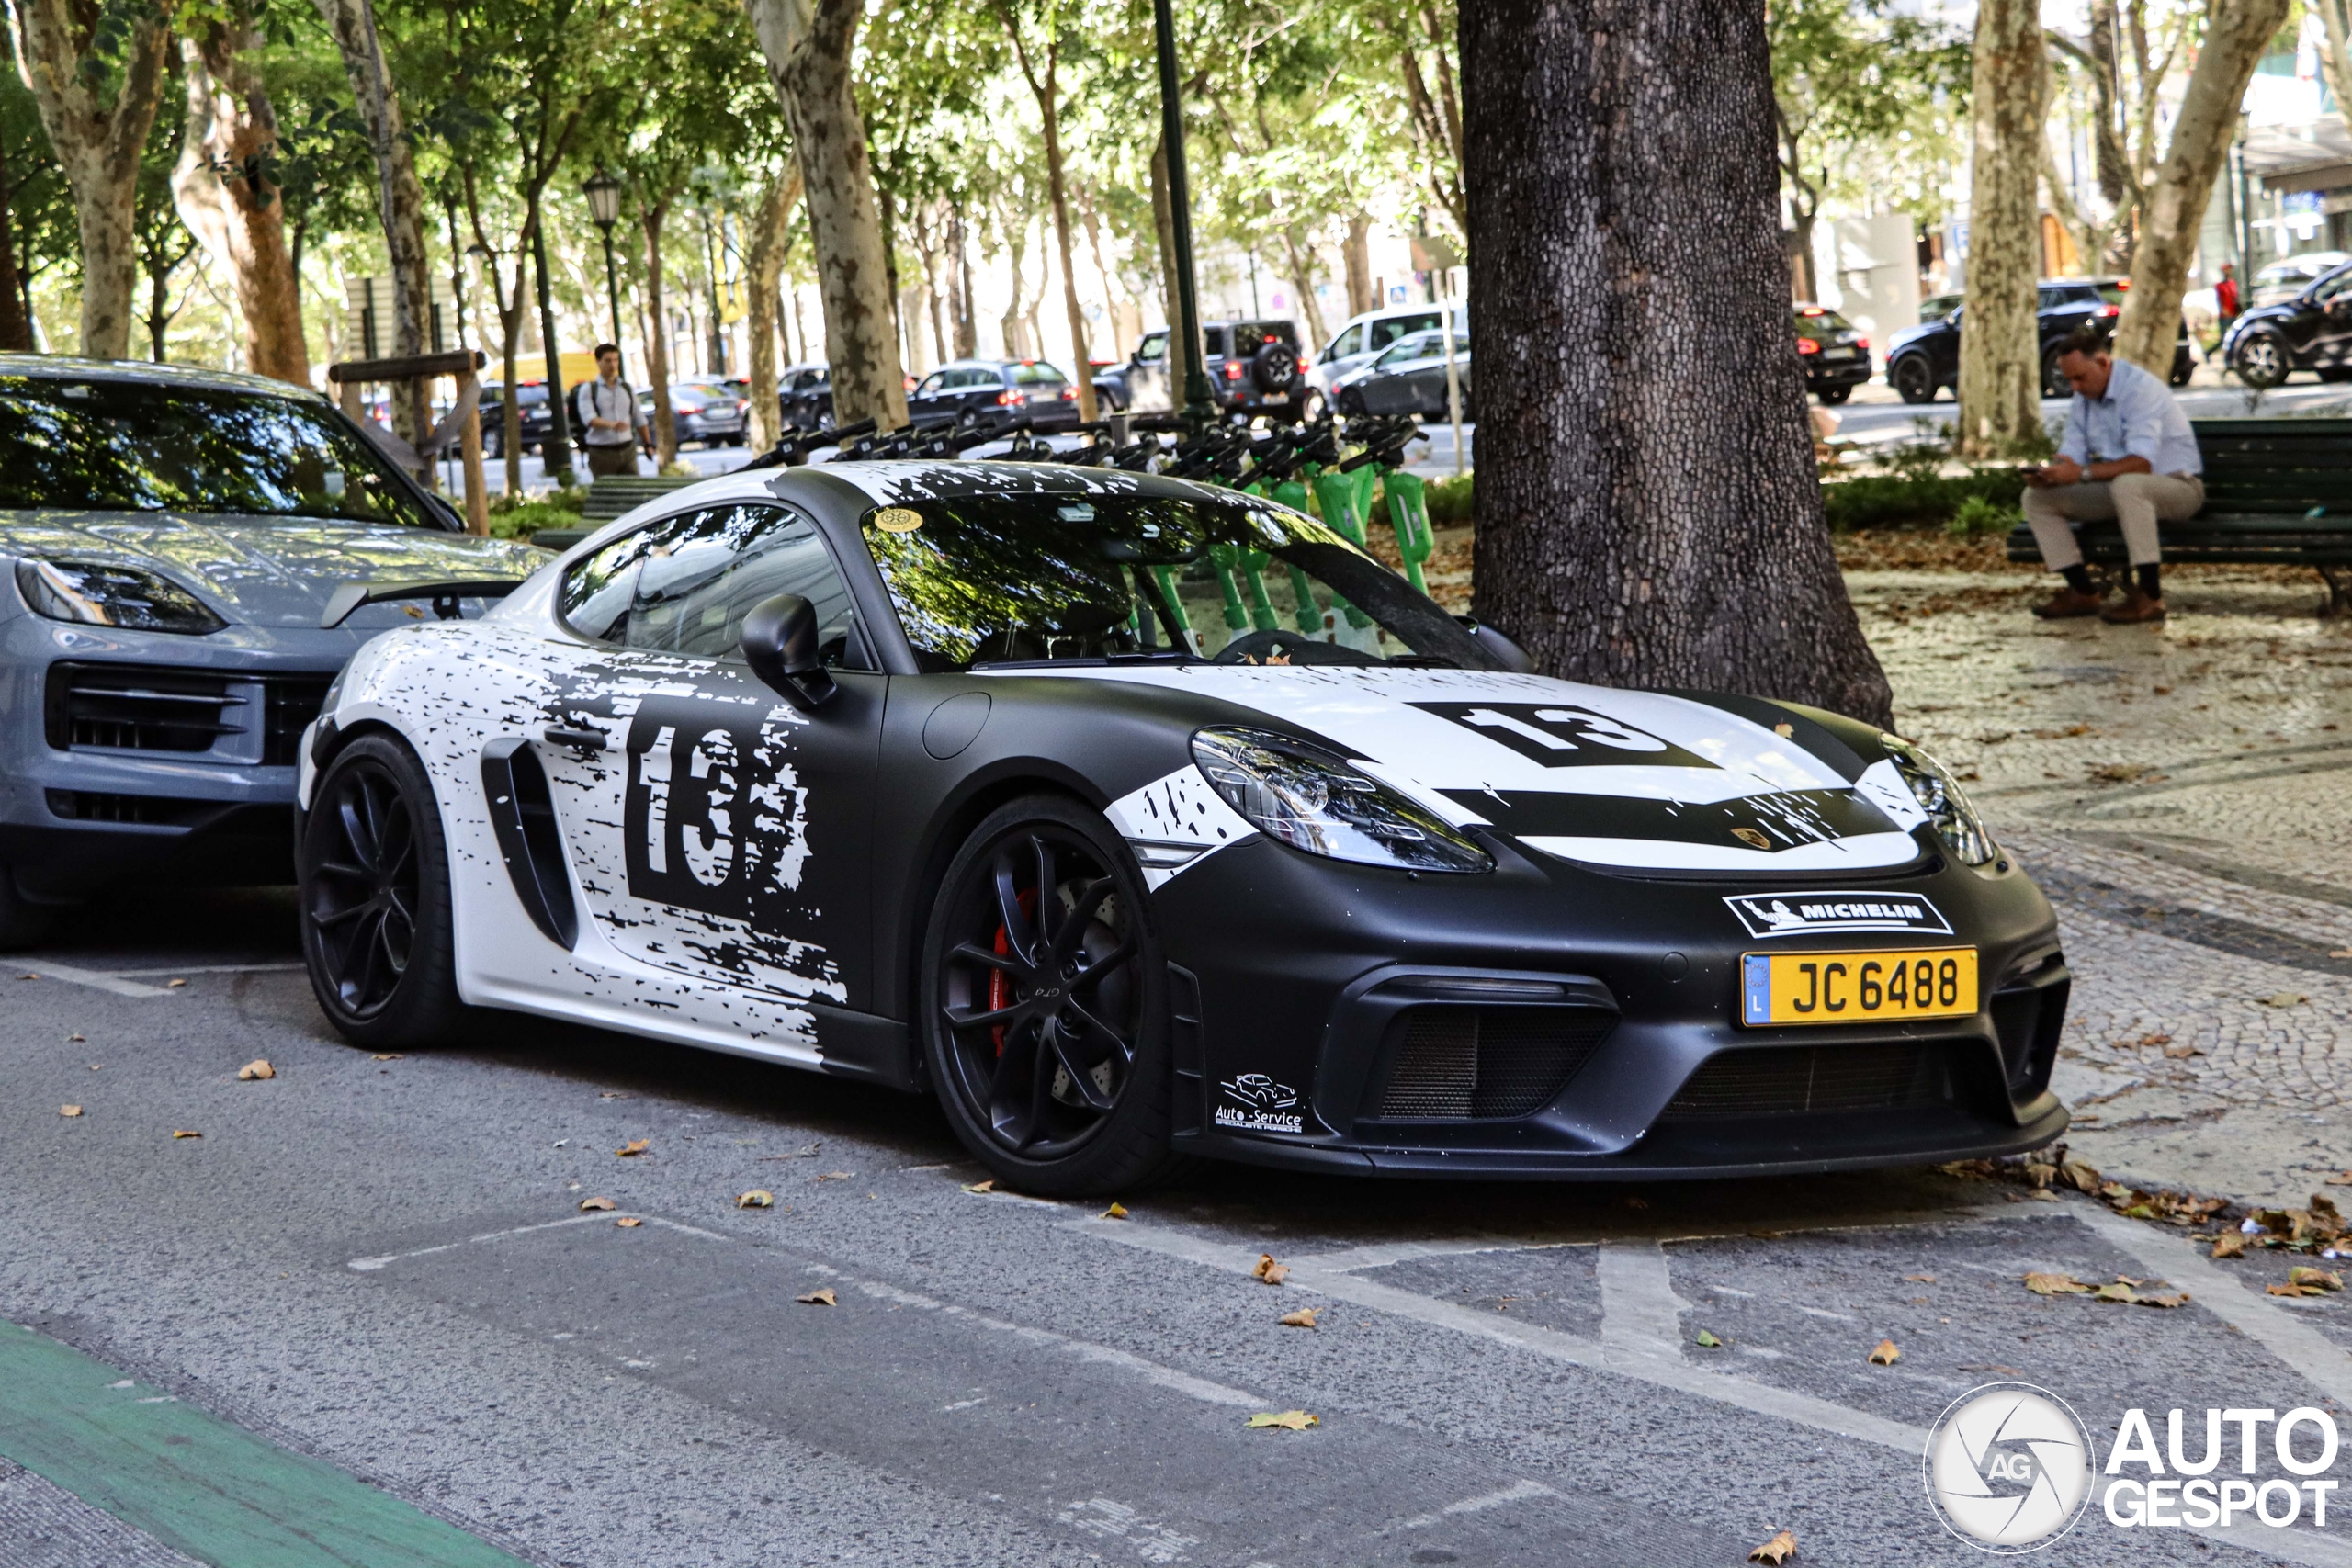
x,y
1200,406
603,193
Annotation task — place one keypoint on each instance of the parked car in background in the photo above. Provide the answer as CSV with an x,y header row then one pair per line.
x,y
2284,280
171,541
806,393
1936,307
709,411
1923,360
1363,339
1254,366
1835,358
1407,377
2311,329
530,403
1003,388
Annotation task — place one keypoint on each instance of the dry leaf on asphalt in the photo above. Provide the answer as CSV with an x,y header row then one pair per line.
x,y
386,1057
1709,1340
256,1068
2303,1274
831,1176
1920,1279
2181,1053
628,1222
1886,1355
2341,1178
821,1297
1777,1551
77,1040
757,1198
2230,1244
69,1110
1289,1420
183,1133
636,1146
2118,1291
1271,1272
2042,1284
1119,1212
987,1186
1303,1318
601,1205
174,985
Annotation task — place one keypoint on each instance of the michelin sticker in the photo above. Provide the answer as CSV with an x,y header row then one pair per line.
x,y
1800,914
1258,1104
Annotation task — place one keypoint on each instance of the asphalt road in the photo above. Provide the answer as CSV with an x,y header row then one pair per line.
x,y
383,1264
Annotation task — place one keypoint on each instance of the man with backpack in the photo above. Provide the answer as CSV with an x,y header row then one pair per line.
x,y
609,420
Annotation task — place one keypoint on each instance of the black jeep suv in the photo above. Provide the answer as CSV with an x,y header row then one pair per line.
x,y
1254,367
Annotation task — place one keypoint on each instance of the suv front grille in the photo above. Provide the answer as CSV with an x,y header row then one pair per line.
x,y
293,702
145,707
1797,1079
1459,1063
137,810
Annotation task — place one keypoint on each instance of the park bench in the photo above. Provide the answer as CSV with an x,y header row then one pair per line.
x,y
613,496
2277,492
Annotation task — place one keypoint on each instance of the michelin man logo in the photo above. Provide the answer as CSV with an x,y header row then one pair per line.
x,y
2008,1467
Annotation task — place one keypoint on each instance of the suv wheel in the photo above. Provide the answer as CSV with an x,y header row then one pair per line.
x,y
1274,368
2054,380
2261,360
1913,381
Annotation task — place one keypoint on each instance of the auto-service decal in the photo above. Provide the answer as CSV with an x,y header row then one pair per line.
x,y
1256,1103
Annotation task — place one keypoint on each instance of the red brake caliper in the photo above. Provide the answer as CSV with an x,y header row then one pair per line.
x,y
1000,983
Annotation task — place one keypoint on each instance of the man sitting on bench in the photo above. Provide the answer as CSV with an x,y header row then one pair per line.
x,y
2129,455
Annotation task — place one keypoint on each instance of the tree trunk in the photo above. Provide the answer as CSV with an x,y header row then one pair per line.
x,y
16,326
771,226
1302,277
98,143
400,200
2236,32
1358,256
228,200
2000,349
1635,528
1016,345
1163,220
1047,90
1801,280
653,210
807,46
1094,245
959,282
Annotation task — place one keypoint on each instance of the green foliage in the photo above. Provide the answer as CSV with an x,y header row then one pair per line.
x,y
1868,101
1920,500
1980,514
518,517
1448,500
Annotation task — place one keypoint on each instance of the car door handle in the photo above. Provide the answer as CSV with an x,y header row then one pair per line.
x,y
580,739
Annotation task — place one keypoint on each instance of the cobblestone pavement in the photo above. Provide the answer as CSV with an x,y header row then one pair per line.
x,y
2184,794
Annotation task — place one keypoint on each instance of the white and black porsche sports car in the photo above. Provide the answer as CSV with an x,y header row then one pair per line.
x,y
1135,818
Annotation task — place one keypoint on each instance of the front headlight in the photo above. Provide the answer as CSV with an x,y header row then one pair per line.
x,y
103,593
1940,795
1316,803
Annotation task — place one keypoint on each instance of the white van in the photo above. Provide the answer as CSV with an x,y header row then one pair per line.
x,y
1357,343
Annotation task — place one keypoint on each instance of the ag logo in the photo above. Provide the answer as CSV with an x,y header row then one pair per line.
x,y
2008,1467
1559,735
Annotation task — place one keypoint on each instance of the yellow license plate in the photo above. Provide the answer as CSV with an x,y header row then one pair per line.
x,y
1857,988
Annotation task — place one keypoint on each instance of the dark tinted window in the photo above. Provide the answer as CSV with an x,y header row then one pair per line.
x,y
1818,318
1214,340
684,584
1038,375
1251,333
1385,333
1153,349
116,446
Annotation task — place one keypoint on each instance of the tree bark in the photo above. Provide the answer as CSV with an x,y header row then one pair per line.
x,y
1302,277
1163,220
98,142
2236,32
400,200
808,44
959,282
2000,349
654,209
772,220
226,196
1047,92
1094,245
1357,256
1016,341
16,327
1635,526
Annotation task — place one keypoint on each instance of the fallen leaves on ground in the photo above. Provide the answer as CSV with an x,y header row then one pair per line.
x,y
614,1094
183,1133
1920,1279
987,1186
1271,1272
258,1067
1119,1212
77,1040
757,1198
1303,1318
1288,1420
634,1147
2181,1053
2122,1290
2283,999
1709,1341
69,1110
2341,1178
386,1057
2047,1284
2304,1280
1886,1355
628,1222
1777,1551
831,1176
174,985
821,1297
2230,1244
600,1205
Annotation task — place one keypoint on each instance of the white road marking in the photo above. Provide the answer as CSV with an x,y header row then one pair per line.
x,y
1639,1310
370,1265
209,969
1574,1349
98,981
1517,1492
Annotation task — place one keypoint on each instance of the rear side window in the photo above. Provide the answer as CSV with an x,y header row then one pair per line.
x,y
1347,342
1213,339
684,584
1152,350
1385,333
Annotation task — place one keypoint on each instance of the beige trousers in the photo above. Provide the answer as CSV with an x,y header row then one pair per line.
x,y
2137,502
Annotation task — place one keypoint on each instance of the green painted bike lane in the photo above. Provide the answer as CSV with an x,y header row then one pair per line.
x,y
207,1489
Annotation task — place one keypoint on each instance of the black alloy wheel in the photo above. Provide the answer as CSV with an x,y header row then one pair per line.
x,y
1832,396
1045,1003
2054,380
2261,360
373,899
1913,381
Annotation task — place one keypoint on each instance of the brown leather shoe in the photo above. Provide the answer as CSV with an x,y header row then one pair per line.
x,y
2136,608
2067,604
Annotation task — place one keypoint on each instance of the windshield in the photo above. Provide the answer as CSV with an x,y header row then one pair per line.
x,y
1020,579
129,446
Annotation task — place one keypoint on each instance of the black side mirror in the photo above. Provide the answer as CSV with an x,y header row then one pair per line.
x,y
780,645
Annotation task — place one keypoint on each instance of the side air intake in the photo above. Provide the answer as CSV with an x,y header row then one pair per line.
x,y
522,813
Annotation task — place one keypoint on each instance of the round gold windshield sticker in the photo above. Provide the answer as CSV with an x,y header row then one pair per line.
x,y
897,520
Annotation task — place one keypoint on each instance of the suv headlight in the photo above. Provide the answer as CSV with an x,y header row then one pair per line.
x,y
1314,802
1940,795
103,593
